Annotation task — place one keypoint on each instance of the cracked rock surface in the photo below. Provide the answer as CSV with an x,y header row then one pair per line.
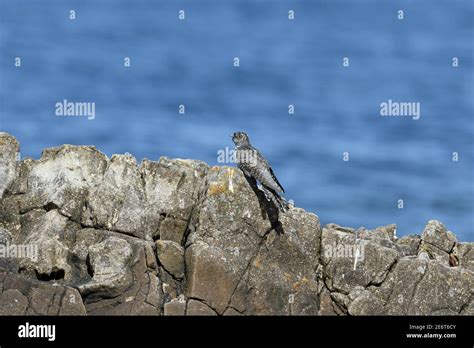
x,y
82,234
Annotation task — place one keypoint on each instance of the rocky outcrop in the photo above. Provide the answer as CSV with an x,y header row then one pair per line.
x,y
84,234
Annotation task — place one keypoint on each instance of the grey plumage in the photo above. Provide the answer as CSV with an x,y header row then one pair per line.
x,y
254,165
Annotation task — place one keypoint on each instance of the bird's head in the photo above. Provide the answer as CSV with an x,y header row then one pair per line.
x,y
240,138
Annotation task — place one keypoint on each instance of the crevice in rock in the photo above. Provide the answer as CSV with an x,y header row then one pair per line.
x,y
416,287
61,296
437,247
465,305
50,206
165,299
247,268
193,225
179,280
55,274
90,269
142,181
235,309
340,306
202,301
187,230
30,209
181,180
157,234
387,273
98,227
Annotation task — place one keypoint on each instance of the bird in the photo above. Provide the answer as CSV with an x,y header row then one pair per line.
x,y
255,166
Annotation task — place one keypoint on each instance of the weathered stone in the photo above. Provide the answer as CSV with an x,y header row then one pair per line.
x,y
49,253
281,278
118,202
408,245
171,187
420,287
231,312
24,296
436,234
171,256
465,254
9,150
210,276
175,307
20,185
350,262
134,290
365,303
10,218
176,237
198,308
108,264
62,179
433,253
173,229
13,302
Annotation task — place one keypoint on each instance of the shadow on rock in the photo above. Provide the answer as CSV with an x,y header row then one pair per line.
x,y
267,207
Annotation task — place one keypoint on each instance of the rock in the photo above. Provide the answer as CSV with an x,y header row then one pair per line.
x,y
175,237
108,260
281,279
122,278
198,308
343,270
171,256
9,150
408,245
172,187
231,312
365,303
118,202
13,302
20,185
429,251
465,254
209,276
420,287
176,306
5,237
245,254
436,234
32,297
45,235
63,178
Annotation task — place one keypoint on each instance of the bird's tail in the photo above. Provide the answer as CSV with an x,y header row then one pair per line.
x,y
275,198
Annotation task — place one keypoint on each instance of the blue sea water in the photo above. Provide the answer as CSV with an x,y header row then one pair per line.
x,y
282,62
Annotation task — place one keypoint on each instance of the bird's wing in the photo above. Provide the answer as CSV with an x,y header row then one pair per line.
x,y
275,178
267,176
